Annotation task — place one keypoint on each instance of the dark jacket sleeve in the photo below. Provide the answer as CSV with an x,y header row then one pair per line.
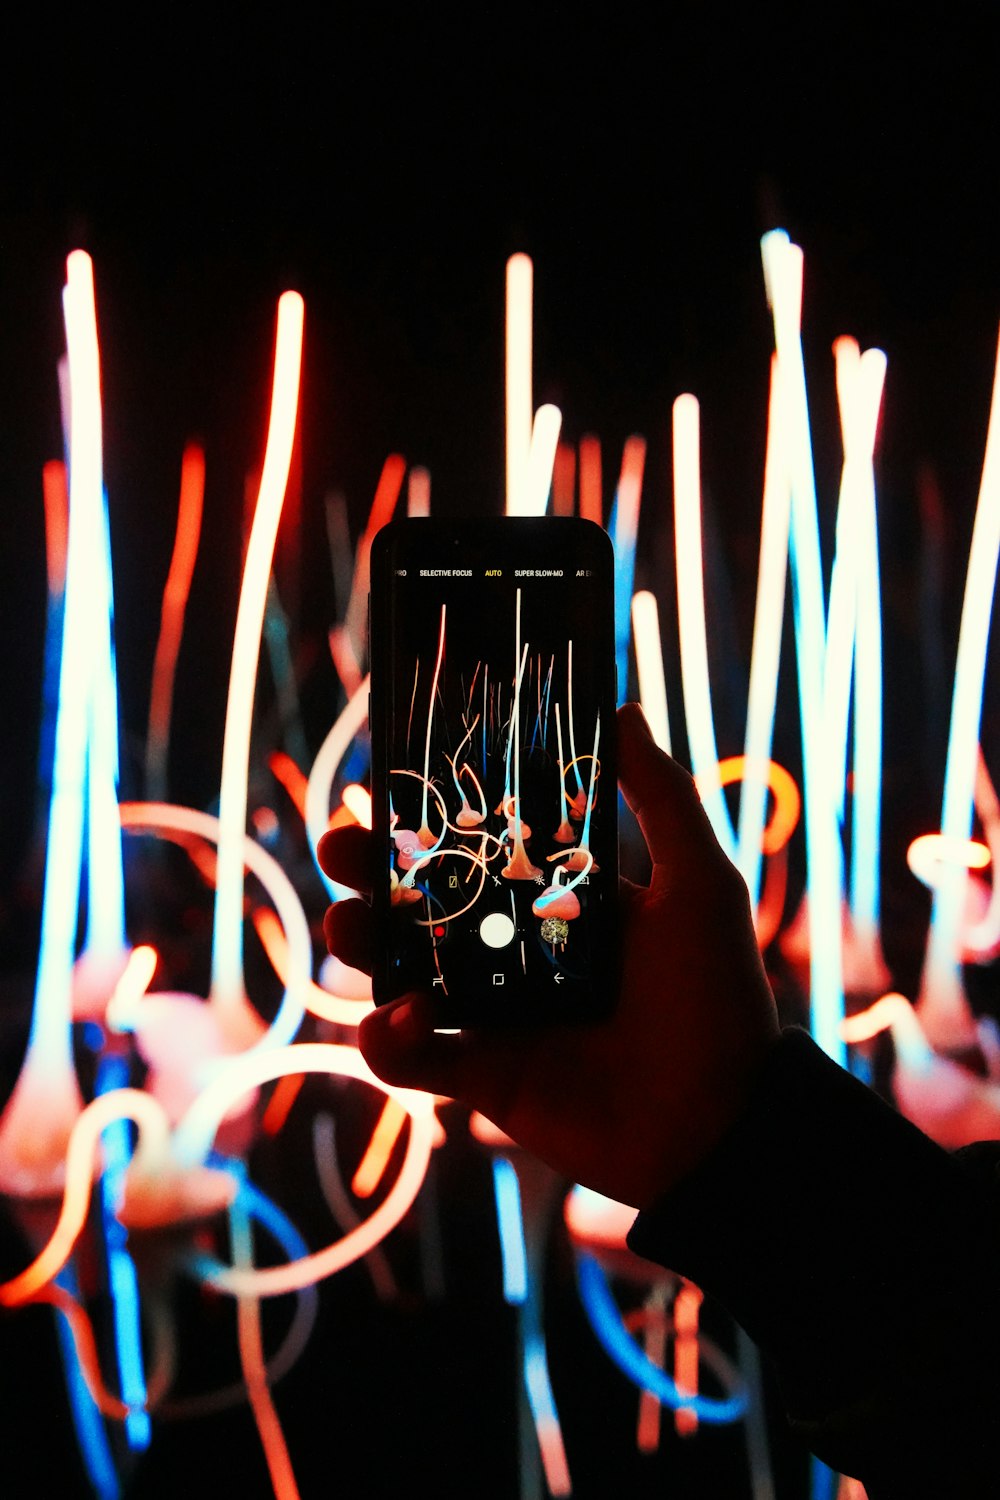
x,y
864,1261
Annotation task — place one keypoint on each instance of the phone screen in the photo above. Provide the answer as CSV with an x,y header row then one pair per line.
x,y
493,745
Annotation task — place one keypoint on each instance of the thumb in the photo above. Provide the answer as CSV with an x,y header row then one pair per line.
x,y
399,1043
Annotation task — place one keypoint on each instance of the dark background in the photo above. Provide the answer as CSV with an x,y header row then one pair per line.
x,y
385,165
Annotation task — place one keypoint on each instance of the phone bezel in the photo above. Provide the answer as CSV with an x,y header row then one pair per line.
x,y
515,542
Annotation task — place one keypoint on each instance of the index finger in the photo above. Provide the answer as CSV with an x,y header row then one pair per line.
x,y
347,855
663,798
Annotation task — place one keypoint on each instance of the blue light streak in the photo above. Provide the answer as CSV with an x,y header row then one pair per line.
x,y
782,266
92,1439
605,1318
105,874
624,540
113,1073
510,1225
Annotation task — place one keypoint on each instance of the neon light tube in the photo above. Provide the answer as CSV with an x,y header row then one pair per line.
x,y
46,1101
765,655
372,1165
541,1401
323,774
354,631
930,851
981,936
227,987
172,611
341,1207
518,374
325,1000
277,638
691,614
288,1238
533,497
251,1347
841,624
95,1450
625,530
942,1005
194,1135
654,1319
605,1319
55,494
510,1225
854,633
124,1286
161,817
418,492
649,666
106,942
80,1158
783,277
687,1304
591,492
284,770
563,480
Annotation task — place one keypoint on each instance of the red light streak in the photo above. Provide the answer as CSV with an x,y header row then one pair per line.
x,y
175,598
563,480
294,781
55,495
591,493
371,1168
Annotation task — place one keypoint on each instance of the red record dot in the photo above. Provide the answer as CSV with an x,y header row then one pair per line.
x,y
439,932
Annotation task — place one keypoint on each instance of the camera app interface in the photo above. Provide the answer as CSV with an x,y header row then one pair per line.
x,y
499,814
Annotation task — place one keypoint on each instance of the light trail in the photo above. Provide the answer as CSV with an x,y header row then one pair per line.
x,y
518,375
563,480
324,770
372,1165
358,802
510,1225
783,278
172,612
319,1001
418,492
166,819
591,491
194,1135
649,666
532,498
227,991
854,636
606,1321
353,634
624,527
46,1101
942,1004
765,654
80,1160
695,677
251,1347
424,835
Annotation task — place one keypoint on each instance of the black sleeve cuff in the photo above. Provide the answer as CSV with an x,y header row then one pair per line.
x,y
859,1255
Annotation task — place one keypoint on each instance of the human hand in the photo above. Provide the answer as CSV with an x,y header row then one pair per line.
x,y
631,1104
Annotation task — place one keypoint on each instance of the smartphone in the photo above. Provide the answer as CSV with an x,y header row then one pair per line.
x,y
494,785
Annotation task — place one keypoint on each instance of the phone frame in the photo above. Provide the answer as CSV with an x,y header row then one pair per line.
x,y
525,545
